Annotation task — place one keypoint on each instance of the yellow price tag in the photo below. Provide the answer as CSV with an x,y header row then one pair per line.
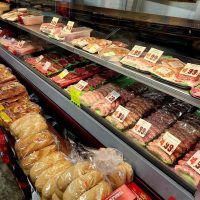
x,y
1,107
5,117
75,95
63,73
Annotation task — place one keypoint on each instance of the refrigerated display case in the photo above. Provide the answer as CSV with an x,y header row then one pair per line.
x,y
178,38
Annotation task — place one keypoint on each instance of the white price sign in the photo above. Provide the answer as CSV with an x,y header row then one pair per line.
x,y
153,55
121,113
21,43
63,74
112,96
39,58
142,127
54,21
46,65
69,26
169,143
137,51
81,85
194,162
191,70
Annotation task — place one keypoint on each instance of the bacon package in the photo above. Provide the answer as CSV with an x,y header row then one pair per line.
x,y
189,167
76,75
138,107
176,140
155,124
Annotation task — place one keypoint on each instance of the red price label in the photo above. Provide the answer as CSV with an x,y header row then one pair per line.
x,y
191,70
153,55
81,85
141,128
112,96
194,162
169,143
137,51
54,21
121,113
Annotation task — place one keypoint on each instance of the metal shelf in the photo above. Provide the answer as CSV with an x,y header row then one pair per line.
x,y
143,78
152,175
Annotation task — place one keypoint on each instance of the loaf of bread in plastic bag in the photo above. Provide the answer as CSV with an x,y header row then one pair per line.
x,y
45,163
29,124
35,142
81,184
28,162
98,192
52,171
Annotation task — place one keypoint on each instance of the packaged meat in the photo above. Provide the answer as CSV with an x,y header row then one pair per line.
x,y
119,44
6,75
30,20
100,191
29,124
10,16
45,163
4,7
77,187
76,75
195,91
11,89
155,124
113,54
18,109
83,41
91,97
28,162
7,42
174,142
188,167
58,168
48,27
31,143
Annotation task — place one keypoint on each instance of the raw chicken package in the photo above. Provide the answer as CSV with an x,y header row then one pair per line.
x,y
176,140
138,107
189,167
76,75
149,128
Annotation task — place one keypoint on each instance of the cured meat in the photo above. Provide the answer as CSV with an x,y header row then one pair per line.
x,y
77,75
185,170
91,97
186,133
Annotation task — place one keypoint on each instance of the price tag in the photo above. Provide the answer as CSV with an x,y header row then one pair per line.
x,y
137,51
81,85
153,55
191,70
69,26
21,43
46,65
142,127
75,95
169,143
121,113
40,58
13,40
112,96
194,162
54,21
5,117
63,74
1,107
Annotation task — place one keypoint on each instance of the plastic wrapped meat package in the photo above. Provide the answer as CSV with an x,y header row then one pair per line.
x,y
83,41
158,121
76,75
6,75
29,124
188,166
48,27
175,141
7,42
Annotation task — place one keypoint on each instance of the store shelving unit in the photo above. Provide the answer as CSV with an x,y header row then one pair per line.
x,y
143,78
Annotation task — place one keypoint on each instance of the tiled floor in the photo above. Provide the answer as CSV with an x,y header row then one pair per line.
x,y
9,189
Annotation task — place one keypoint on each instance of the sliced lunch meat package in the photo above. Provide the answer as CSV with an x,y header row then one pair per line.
x,y
157,122
189,167
77,75
174,142
10,90
91,97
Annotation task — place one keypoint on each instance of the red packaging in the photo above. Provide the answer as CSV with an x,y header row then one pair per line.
x,y
141,195
122,193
